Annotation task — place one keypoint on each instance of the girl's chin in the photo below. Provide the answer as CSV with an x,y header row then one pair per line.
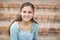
x,y
26,20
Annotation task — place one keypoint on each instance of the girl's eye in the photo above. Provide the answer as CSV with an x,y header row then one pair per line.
x,y
24,11
29,12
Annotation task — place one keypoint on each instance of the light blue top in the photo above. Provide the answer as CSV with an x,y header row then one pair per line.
x,y
15,34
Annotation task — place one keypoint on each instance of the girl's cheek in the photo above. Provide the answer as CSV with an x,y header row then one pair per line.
x,y
30,16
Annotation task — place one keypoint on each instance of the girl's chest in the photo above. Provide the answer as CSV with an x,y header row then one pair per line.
x,y
25,35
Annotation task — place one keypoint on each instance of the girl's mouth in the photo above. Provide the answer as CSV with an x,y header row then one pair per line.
x,y
27,17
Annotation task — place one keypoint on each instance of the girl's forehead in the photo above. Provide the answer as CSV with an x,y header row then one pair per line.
x,y
27,8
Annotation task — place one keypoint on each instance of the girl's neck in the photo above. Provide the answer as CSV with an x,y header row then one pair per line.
x,y
26,22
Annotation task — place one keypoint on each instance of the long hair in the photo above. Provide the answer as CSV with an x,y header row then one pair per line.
x,y
19,18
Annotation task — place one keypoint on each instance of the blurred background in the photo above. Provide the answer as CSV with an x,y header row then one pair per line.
x,y
47,14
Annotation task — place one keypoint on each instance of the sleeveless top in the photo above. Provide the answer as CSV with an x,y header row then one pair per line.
x,y
23,34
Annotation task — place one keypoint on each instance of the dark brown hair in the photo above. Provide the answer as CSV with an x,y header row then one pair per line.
x,y
19,18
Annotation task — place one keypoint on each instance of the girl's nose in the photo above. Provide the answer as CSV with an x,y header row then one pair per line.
x,y
26,14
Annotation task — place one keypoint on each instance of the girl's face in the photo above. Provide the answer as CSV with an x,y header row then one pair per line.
x,y
27,13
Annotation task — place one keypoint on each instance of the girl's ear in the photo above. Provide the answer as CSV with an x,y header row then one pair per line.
x,y
33,16
20,13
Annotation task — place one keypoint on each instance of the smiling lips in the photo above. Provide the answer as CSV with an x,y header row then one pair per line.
x,y
27,17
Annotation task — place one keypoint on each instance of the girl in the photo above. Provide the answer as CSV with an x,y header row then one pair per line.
x,y
24,27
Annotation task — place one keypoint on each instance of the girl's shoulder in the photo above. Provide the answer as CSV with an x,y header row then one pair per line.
x,y
14,25
35,25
